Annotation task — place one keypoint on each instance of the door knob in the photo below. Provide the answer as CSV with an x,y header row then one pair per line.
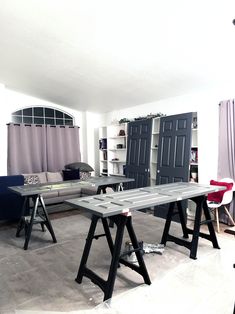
x,y
158,171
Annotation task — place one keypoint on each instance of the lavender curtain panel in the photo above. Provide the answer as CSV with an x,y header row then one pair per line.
x,y
63,146
226,162
26,148
35,148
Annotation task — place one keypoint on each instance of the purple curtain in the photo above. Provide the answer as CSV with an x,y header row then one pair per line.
x,y
35,148
63,146
26,148
226,161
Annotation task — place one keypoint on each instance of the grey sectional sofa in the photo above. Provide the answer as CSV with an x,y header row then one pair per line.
x,y
55,197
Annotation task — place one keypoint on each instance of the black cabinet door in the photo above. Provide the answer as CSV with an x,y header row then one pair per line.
x,y
174,148
138,152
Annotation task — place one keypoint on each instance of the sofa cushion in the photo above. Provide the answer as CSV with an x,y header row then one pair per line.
x,y
54,176
31,179
82,166
73,174
71,191
89,190
50,194
41,175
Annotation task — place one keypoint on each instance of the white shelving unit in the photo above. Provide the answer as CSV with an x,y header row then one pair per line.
x,y
154,150
193,165
103,154
117,148
194,151
113,157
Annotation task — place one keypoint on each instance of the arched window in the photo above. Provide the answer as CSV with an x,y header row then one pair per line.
x,y
42,115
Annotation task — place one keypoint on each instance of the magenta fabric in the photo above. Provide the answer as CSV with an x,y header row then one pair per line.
x,y
218,196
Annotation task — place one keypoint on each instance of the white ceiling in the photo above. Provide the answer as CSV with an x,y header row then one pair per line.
x,y
104,55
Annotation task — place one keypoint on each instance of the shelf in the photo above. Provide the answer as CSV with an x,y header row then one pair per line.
x,y
117,174
116,137
116,134
103,149
115,149
154,148
155,133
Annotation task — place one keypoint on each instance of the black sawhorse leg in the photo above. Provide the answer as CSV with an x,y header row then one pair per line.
x,y
21,223
107,286
35,218
201,205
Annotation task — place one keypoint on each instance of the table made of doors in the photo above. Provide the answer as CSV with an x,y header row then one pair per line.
x,y
39,215
118,207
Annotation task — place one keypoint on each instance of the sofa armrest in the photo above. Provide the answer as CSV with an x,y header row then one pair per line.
x,y
10,202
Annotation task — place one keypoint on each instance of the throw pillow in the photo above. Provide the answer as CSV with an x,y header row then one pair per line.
x,y
82,166
31,179
41,175
73,174
84,175
54,177
218,196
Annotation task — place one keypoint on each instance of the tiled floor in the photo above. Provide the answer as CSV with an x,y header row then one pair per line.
x,y
41,279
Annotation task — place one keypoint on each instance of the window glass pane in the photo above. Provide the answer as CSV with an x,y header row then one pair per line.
x,y
59,114
28,112
59,122
18,113
42,115
27,120
49,121
49,112
16,119
38,120
38,111
68,122
66,116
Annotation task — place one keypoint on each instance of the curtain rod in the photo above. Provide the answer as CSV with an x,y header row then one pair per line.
x,y
47,125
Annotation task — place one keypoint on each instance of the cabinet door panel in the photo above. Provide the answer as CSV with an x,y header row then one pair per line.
x,y
174,148
138,152
173,153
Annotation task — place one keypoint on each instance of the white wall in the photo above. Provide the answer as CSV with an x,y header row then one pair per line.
x,y
206,106
11,101
92,122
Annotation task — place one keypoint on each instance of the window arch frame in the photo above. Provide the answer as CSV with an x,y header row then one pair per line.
x,y
42,115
